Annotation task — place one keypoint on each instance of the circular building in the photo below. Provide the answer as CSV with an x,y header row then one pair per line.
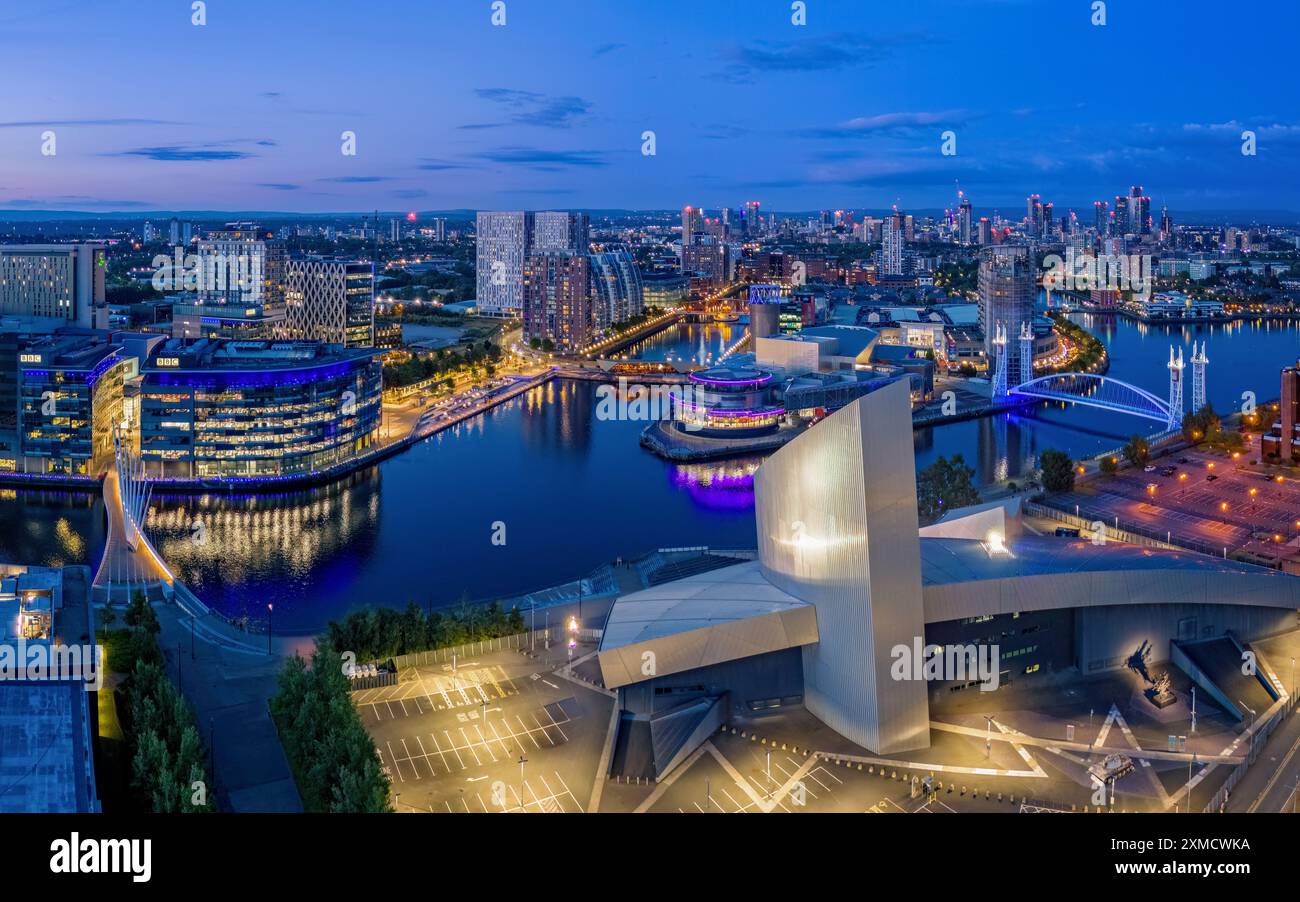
x,y
728,401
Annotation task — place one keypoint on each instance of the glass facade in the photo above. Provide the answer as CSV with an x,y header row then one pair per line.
x,y
66,413
269,410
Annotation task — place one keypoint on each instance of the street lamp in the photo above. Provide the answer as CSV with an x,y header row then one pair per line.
x,y
268,627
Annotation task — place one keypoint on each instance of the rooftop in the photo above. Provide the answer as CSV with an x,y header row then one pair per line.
x,y
725,595
947,561
216,354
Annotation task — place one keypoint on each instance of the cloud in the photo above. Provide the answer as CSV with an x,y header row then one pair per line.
x,y
85,123
825,53
80,200
544,160
890,124
356,179
532,108
179,153
607,48
432,164
279,186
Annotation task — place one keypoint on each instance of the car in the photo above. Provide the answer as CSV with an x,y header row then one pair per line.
x,y
1211,478
1182,460
1149,468
1067,532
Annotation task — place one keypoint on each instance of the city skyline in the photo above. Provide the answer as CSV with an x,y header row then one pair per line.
x,y
846,111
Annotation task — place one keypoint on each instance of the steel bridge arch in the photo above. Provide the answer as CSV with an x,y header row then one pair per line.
x,y
1092,390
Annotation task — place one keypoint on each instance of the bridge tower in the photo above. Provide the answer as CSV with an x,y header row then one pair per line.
x,y
1026,353
1199,363
1175,388
134,490
1000,372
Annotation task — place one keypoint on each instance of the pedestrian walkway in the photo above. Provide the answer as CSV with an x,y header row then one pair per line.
x,y
229,688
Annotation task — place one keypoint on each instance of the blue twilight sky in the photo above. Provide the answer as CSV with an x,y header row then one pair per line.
x,y
847,111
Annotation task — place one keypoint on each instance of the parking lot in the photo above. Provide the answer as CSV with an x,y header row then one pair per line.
x,y
1210,502
500,733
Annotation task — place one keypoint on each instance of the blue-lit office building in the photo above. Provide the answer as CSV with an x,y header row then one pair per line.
x,y
256,409
70,389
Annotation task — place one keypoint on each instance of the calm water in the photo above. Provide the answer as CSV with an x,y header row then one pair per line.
x,y
571,491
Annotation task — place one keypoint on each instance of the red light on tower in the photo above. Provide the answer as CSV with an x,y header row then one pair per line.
x,y
410,217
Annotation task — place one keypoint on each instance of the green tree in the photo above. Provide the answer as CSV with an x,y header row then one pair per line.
x,y
943,486
1058,471
1108,465
1202,425
1138,451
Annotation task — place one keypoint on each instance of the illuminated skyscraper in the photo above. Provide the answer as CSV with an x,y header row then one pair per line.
x,y
1006,297
891,254
692,222
557,300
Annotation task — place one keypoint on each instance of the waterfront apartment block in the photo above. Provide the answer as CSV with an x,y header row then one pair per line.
x,y
557,300
62,282
504,242
616,287
251,409
331,301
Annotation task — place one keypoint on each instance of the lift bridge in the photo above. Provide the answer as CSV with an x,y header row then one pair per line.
x,y
1101,392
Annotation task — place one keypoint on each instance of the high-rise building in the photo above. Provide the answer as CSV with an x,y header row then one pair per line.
x,y
617,293
709,258
439,226
147,233
891,254
502,243
557,300
505,240
560,233
180,233
753,219
1139,211
331,301
692,223
1034,214
1100,218
54,281
1122,224
964,221
240,286
985,231
1006,297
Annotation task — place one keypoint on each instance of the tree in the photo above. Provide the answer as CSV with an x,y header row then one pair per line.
x,y
1109,465
1202,425
1138,451
1058,471
944,486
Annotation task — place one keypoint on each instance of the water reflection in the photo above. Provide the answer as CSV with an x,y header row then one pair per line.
x,y
218,543
726,485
